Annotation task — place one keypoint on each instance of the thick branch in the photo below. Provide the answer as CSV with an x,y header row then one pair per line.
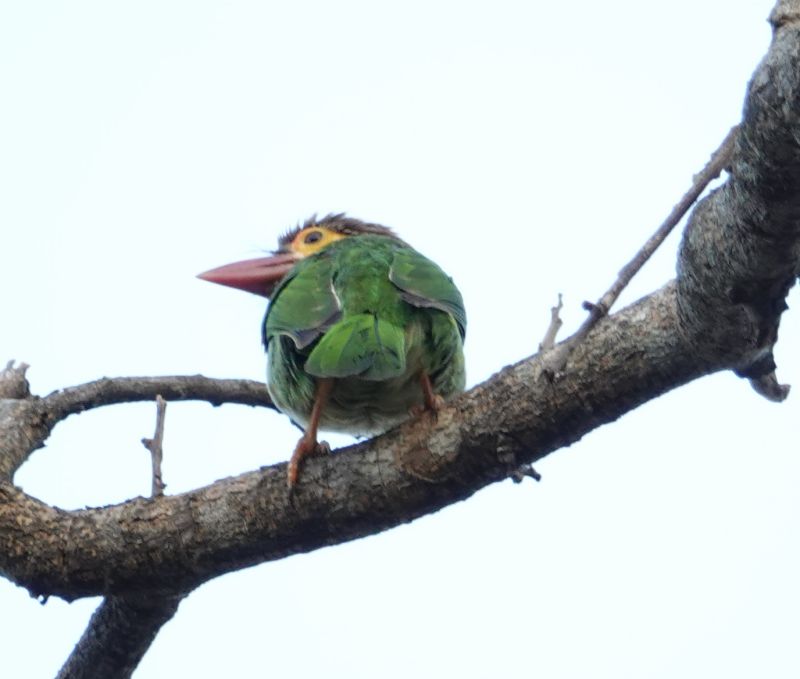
x,y
180,541
741,250
739,258
119,634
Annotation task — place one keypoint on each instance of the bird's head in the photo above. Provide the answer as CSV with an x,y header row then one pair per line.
x,y
261,275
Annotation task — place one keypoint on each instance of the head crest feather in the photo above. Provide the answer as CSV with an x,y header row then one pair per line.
x,y
339,222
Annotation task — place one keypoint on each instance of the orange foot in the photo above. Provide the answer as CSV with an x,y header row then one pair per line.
x,y
433,402
436,404
306,447
308,444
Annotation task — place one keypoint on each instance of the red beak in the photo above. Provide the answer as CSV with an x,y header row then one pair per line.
x,y
259,276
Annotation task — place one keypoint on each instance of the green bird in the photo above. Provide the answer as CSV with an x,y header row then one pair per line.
x,y
362,331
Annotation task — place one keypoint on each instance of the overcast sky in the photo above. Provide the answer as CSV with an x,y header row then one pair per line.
x,y
529,149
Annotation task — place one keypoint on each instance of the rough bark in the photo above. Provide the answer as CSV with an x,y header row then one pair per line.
x,y
740,251
517,416
739,257
26,422
119,634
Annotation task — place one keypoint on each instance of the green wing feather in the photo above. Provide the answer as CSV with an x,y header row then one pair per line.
x,y
361,345
424,284
307,307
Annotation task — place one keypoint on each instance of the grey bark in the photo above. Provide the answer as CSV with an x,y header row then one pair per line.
x,y
516,417
739,255
119,634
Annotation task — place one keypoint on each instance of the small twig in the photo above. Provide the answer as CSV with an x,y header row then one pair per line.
x,y
155,446
505,453
519,474
549,340
769,387
13,383
719,160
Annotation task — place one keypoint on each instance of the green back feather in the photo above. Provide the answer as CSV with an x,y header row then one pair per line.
x,y
424,284
362,345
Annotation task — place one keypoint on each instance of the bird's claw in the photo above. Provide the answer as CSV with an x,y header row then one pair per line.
x,y
321,449
304,448
435,405
416,410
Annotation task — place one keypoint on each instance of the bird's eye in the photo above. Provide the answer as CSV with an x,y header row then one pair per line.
x,y
312,237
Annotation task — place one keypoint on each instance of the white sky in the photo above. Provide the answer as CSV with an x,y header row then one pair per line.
x,y
529,148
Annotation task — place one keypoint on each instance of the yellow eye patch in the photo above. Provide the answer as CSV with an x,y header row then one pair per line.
x,y
313,239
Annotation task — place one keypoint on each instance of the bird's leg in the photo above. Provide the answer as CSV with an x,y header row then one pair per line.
x,y
432,401
308,445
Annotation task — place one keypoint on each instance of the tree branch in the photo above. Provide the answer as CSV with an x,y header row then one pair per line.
x,y
597,310
739,256
156,447
183,540
110,391
719,160
13,383
27,421
119,634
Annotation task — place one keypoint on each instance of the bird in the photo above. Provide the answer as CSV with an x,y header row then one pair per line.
x,y
361,332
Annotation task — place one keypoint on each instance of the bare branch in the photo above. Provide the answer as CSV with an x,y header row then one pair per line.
x,y
739,257
719,160
13,384
597,310
739,254
526,470
183,540
118,635
110,391
549,340
769,387
25,423
156,446
122,628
